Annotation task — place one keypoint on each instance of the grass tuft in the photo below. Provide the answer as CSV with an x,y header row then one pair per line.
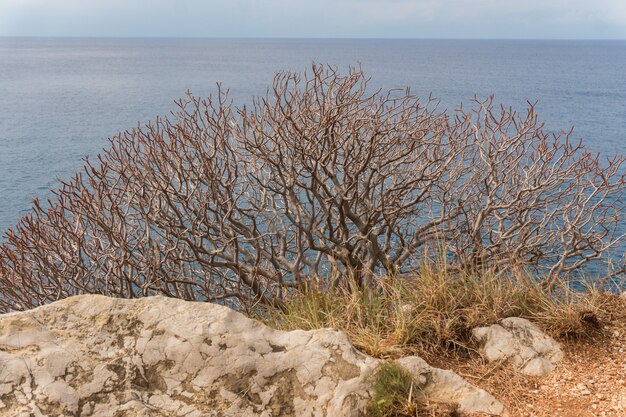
x,y
433,311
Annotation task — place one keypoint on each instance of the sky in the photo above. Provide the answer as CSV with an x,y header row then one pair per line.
x,y
500,19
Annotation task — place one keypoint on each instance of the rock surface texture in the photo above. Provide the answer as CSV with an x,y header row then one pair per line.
x,y
98,356
441,385
520,343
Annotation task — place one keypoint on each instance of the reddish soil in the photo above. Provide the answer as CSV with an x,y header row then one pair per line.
x,y
589,382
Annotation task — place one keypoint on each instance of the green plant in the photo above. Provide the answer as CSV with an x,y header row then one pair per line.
x,y
393,392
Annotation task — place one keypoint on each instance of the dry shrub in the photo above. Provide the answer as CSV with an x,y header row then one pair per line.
x,y
319,183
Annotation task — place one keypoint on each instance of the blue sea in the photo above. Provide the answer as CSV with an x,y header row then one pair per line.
x,y
60,99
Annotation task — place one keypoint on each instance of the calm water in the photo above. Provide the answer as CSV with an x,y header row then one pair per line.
x,y
60,99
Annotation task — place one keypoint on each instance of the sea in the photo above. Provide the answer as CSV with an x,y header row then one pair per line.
x,y
62,98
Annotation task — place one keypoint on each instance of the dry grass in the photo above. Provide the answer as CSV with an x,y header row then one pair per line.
x,y
431,312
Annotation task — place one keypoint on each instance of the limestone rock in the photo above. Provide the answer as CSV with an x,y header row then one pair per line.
x,y
520,343
441,385
97,356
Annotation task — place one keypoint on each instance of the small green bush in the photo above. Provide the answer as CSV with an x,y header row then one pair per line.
x,y
393,392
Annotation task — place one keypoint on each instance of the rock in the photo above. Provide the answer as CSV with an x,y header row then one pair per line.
x,y
93,355
441,385
520,343
97,356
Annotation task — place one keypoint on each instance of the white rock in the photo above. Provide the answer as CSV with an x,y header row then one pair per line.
x,y
441,385
174,356
98,356
521,343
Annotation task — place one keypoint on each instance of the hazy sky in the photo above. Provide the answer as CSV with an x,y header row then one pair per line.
x,y
587,19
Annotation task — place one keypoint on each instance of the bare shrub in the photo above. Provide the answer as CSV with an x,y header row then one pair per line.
x,y
533,199
319,182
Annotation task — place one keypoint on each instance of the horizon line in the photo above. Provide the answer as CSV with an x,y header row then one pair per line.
x,y
147,37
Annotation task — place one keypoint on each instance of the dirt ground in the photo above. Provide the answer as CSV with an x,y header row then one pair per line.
x,y
589,382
